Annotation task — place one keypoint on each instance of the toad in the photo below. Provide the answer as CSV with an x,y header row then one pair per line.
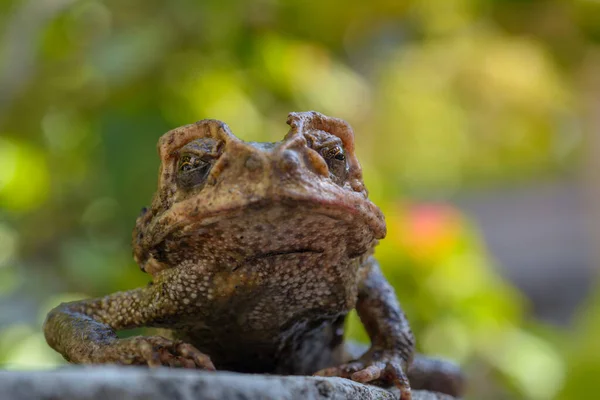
x,y
257,252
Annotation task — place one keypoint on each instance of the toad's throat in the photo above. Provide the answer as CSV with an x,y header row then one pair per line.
x,y
271,254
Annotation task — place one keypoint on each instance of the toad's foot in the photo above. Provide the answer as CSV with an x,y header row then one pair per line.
x,y
375,366
153,351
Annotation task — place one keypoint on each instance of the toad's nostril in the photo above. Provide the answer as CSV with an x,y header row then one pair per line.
x,y
253,162
289,161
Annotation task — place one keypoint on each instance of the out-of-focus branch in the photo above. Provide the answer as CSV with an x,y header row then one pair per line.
x,y
90,383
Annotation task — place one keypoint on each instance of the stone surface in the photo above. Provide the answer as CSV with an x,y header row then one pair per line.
x,y
130,383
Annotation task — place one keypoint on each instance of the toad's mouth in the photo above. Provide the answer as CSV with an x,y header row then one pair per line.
x,y
183,216
271,254
262,232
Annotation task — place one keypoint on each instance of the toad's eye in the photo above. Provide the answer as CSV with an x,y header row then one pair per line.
x,y
335,152
188,163
191,162
336,161
192,170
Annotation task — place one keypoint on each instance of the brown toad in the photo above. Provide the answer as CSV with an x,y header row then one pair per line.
x,y
257,251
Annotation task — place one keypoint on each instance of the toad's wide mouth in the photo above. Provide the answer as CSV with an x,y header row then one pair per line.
x,y
280,253
238,232
182,217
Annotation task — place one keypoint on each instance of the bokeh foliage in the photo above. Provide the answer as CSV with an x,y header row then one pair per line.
x,y
443,96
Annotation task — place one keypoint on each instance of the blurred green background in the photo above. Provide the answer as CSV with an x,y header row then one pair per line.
x,y
476,123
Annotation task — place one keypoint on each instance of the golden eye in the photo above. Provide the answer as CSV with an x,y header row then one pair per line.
x,y
188,163
336,162
186,166
195,162
335,152
340,156
193,171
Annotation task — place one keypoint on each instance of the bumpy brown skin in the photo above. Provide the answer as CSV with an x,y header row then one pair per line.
x,y
257,252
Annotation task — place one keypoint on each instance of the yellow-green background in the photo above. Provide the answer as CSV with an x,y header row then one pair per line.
x,y
444,96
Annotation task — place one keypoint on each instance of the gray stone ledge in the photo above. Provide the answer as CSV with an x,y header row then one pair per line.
x,y
130,383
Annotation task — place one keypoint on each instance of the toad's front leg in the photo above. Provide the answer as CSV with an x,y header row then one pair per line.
x,y
85,331
392,342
